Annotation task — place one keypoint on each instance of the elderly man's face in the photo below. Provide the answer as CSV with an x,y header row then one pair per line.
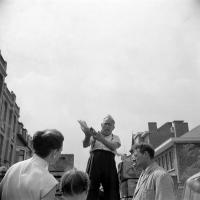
x,y
107,126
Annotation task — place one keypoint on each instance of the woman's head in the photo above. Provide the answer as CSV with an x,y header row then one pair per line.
x,y
75,184
47,141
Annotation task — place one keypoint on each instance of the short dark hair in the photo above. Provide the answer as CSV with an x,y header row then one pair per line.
x,y
145,147
46,141
74,182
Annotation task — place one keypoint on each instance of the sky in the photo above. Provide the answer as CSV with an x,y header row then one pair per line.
x,y
137,60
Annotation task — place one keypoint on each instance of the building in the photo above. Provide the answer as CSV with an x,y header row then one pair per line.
x,y
63,164
180,157
8,119
156,136
10,130
3,68
24,147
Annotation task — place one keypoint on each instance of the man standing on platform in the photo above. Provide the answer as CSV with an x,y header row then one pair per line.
x,y
101,165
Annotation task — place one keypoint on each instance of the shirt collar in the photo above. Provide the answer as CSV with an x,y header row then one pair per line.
x,y
150,167
43,163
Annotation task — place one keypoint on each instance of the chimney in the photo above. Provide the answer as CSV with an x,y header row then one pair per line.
x,y
152,127
180,127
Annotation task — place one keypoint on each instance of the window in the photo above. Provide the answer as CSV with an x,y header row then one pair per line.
x,y
1,83
159,161
5,111
14,124
6,151
8,132
11,153
163,162
20,155
171,159
10,117
166,161
1,144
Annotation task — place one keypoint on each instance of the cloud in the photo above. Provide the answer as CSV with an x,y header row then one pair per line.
x,y
136,60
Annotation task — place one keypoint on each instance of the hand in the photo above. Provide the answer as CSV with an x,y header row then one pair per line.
x,y
97,135
84,127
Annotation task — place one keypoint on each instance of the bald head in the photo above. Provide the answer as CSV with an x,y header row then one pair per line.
x,y
108,118
107,125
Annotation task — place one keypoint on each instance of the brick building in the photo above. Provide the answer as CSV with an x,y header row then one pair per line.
x,y
156,136
24,147
9,115
9,121
3,67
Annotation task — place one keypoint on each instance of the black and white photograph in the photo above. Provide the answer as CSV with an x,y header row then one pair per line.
x,y
99,99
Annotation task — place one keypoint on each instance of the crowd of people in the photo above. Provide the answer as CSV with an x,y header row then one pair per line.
x,y
31,180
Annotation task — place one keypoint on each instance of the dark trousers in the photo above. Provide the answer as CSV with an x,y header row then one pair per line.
x,y
102,170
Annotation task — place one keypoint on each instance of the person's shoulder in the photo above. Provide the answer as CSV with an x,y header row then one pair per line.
x,y
160,171
48,177
48,182
18,164
15,168
115,136
48,186
161,174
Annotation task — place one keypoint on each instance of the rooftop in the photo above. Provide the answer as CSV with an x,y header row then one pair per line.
x,y
195,132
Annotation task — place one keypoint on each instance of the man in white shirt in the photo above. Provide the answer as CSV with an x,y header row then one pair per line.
x,y
101,164
30,179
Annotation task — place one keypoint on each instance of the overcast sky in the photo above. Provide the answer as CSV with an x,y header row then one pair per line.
x,y
138,60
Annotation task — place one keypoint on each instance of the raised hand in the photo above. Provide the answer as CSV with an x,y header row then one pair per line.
x,y
84,127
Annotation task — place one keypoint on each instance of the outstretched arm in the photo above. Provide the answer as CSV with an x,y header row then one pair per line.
x,y
86,141
86,131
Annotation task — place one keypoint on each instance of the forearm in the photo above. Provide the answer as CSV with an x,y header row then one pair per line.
x,y
111,145
86,141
